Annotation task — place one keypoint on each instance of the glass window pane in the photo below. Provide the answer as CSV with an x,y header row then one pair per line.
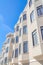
x,y
34,38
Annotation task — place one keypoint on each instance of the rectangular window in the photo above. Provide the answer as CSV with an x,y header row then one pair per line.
x,y
20,32
30,3
34,38
6,49
16,52
17,39
20,19
24,17
42,32
25,47
19,48
32,16
40,10
13,54
25,29
17,28
12,40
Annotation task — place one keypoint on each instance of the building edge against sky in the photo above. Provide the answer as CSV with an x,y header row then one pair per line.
x,y
25,45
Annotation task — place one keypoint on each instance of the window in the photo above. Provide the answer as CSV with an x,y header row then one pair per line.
x,y
16,52
34,38
24,17
20,19
12,40
30,3
19,48
13,54
17,39
25,29
32,16
25,47
6,49
17,28
20,32
8,40
42,32
40,10
5,60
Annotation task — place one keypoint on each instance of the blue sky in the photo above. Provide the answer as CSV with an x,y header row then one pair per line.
x,y
9,13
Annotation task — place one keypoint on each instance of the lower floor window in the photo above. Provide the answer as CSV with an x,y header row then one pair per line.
x,y
42,32
16,52
25,47
34,38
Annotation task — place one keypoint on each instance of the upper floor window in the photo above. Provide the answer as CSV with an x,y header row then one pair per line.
x,y
20,19
12,40
25,29
6,49
20,32
17,28
8,40
40,10
24,17
34,38
30,3
32,16
42,32
17,39
13,54
25,47
19,48
16,52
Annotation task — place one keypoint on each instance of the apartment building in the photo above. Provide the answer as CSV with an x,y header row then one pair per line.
x,y
28,35
7,50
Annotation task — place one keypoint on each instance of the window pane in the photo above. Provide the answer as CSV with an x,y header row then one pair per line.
x,y
16,53
34,37
20,32
40,10
13,54
12,40
24,17
30,3
17,28
17,39
25,47
42,32
32,16
19,48
6,49
24,29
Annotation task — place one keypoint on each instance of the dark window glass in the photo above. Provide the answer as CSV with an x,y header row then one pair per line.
x,y
30,3
32,16
19,48
42,32
25,29
34,38
17,28
6,49
24,17
25,47
20,32
17,39
13,54
16,52
40,10
12,40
